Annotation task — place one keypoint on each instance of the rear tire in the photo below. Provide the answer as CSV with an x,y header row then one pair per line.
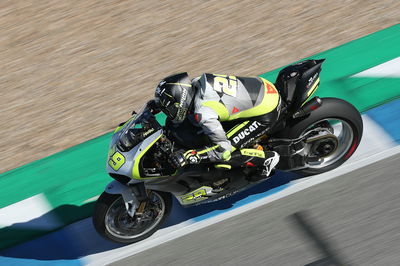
x,y
112,221
331,109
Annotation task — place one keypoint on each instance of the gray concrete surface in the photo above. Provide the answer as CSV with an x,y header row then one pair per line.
x,y
358,213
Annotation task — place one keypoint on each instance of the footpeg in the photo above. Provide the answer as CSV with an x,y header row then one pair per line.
x,y
218,185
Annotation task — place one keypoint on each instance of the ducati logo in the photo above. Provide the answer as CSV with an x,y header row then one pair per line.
x,y
246,132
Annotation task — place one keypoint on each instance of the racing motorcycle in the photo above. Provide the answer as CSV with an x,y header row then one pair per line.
x,y
312,136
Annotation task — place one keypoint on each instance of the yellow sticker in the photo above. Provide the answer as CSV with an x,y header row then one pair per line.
x,y
253,153
116,161
196,195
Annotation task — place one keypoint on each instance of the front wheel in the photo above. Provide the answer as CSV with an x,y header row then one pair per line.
x,y
332,132
113,222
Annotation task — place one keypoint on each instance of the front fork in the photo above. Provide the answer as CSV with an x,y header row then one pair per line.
x,y
134,196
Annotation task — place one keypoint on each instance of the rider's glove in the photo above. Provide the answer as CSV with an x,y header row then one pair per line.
x,y
181,159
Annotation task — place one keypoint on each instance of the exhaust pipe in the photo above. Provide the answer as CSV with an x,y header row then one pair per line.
x,y
308,107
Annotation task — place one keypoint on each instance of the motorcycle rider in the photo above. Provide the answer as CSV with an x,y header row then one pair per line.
x,y
253,102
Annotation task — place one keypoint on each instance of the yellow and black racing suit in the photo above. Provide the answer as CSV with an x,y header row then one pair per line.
x,y
251,101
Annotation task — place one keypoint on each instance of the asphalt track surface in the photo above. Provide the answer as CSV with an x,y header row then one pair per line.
x,y
356,213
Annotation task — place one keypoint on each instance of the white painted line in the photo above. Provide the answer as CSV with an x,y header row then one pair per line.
x,y
389,69
29,214
91,199
117,254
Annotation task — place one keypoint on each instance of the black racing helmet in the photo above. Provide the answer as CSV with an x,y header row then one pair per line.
x,y
174,95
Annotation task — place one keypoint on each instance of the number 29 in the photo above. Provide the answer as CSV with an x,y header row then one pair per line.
x,y
226,84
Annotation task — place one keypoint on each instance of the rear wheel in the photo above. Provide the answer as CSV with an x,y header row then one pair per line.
x,y
332,132
113,222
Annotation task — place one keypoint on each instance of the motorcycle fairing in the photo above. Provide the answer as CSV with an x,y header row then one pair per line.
x,y
297,83
131,158
143,148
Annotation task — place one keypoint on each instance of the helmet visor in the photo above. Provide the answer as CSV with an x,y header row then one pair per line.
x,y
168,104
171,111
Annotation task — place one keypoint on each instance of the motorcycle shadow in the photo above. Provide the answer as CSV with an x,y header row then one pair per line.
x,y
277,182
68,243
80,239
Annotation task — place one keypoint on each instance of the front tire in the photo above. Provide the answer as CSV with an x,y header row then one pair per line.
x,y
337,115
112,221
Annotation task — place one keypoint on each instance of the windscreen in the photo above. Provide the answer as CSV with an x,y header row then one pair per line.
x,y
138,128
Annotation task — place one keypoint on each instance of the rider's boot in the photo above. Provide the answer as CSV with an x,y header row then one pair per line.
x,y
262,168
272,159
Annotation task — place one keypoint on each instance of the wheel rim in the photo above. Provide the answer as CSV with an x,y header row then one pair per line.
x,y
119,224
343,132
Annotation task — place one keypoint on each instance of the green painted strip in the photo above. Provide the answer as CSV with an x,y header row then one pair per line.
x,y
69,178
62,172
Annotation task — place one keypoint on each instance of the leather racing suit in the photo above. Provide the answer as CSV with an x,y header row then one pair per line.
x,y
253,104
253,101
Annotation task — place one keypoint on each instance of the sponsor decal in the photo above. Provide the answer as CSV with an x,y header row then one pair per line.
x,y
271,89
181,113
247,142
253,153
148,132
196,195
183,98
227,195
116,161
311,80
246,132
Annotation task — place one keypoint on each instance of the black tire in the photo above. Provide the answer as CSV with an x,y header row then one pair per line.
x,y
331,108
107,200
